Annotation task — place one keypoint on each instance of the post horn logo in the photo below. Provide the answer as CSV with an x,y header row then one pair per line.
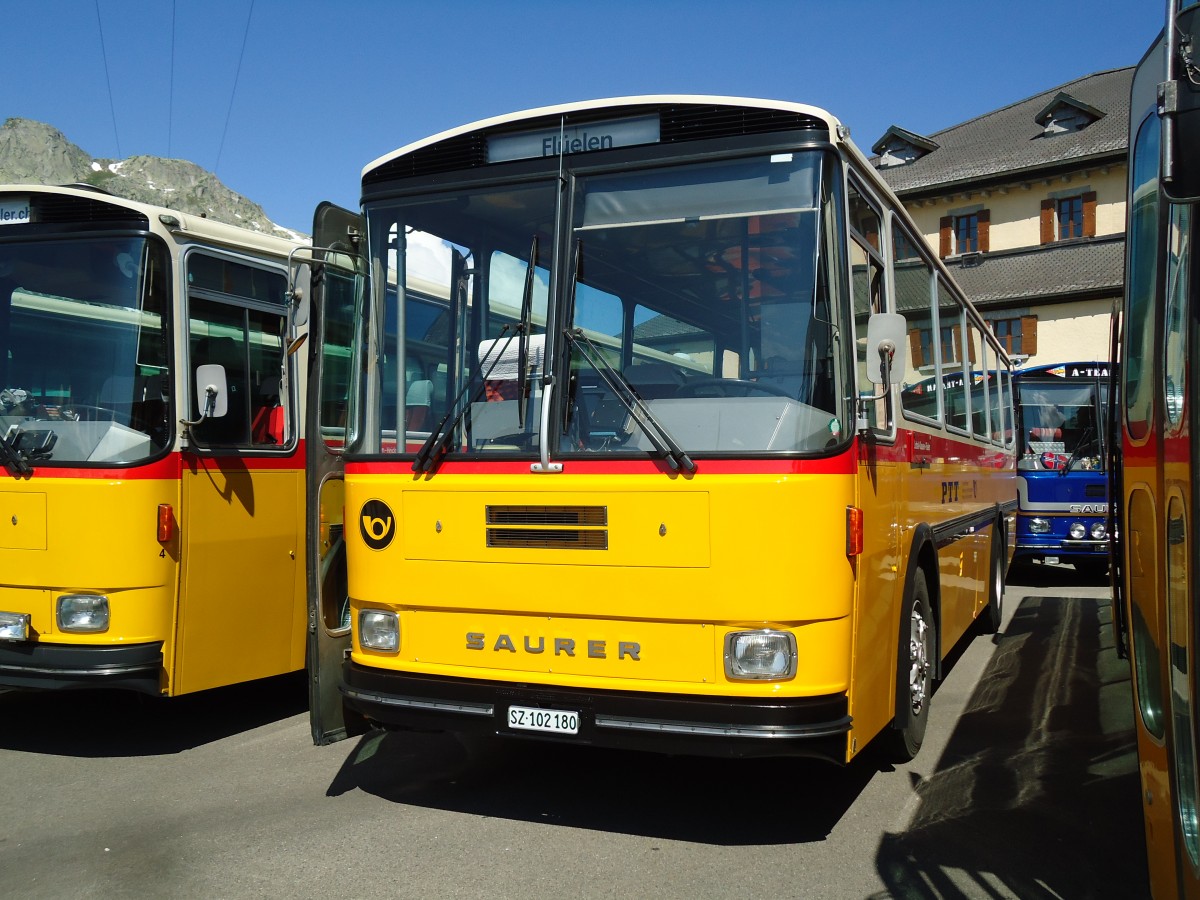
x,y
376,524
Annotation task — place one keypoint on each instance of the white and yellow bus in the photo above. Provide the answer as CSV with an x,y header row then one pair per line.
x,y
641,441
150,434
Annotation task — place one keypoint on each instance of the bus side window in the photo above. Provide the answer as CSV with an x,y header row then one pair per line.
x,y
233,323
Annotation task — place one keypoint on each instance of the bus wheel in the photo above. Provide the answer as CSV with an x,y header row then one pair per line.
x,y
1092,569
916,651
990,620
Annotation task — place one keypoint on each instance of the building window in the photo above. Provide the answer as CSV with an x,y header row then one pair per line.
x,y
951,339
964,233
1065,218
1018,335
1070,218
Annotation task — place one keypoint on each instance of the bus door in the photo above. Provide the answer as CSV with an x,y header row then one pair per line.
x,y
337,287
242,481
878,492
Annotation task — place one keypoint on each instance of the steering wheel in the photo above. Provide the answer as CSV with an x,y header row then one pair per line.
x,y
729,387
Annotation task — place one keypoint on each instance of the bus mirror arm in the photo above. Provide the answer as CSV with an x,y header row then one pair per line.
x,y
211,385
885,332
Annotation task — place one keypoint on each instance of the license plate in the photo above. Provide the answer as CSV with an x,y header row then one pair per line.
x,y
555,721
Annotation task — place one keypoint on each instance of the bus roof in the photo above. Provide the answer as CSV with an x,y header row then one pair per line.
x,y
188,225
836,130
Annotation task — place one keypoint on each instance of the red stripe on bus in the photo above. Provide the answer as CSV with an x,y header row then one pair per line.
x,y
841,464
170,467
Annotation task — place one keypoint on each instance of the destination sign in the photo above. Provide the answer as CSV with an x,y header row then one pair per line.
x,y
15,211
586,138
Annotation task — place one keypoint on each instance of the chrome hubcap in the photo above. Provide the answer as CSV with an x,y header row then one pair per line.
x,y
918,657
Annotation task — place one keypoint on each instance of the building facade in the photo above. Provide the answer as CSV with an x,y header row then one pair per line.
x,y
1026,205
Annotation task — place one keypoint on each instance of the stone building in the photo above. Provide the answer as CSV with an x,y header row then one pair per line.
x,y
1026,205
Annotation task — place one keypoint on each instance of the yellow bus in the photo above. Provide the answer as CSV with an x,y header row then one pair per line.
x,y
153,498
1154,560
621,423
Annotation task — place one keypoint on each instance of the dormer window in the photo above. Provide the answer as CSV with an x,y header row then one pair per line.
x,y
899,147
1066,115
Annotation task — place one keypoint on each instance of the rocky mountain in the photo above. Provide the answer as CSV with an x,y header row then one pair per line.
x,y
36,153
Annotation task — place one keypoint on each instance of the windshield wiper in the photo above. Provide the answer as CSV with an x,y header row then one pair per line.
x,y
1089,434
523,329
434,448
12,457
654,430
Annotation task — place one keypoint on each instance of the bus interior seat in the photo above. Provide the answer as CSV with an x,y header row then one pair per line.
x,y
417,400
267,426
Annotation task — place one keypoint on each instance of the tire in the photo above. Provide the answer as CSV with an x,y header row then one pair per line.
x,y
990,619
916,650
1092,569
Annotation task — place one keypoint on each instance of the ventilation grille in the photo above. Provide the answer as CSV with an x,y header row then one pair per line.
x,y
59,209
465,152
695,123
548,527
1095,490
685,122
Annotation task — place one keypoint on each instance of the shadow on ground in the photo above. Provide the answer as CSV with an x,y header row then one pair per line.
x,y
93,724
1036,795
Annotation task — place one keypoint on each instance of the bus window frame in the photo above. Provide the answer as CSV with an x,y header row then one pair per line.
x,y
878,255
287,369
936,378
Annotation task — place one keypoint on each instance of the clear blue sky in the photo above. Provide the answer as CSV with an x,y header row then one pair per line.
x,y
325,86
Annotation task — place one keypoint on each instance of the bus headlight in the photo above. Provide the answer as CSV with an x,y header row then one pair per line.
x,y
760,655
1077,531
14,626
1039,526
1099,531
379,629
82,613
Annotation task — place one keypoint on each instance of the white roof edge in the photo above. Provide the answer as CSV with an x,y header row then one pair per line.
x,y
197,226
516,118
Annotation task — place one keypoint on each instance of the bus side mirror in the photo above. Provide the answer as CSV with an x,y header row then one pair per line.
x,y
1179,108
212,393
886,359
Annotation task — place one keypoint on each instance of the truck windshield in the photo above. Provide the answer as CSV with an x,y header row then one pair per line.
x,y
84,368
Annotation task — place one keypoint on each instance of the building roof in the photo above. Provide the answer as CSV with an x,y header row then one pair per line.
x,y
1064,270
1005,144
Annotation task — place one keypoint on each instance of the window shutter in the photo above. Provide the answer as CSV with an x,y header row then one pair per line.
x,y
1029,335
1089,214
1047,221
945,225
914,347
985,223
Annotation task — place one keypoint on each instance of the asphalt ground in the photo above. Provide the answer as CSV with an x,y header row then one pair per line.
x,y
1026,787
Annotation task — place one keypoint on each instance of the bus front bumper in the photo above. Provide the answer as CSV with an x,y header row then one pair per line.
x,y
33,664
666,723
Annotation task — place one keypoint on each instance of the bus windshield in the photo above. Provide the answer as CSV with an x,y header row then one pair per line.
x,y
691,301
83,367
705,287
1063,425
